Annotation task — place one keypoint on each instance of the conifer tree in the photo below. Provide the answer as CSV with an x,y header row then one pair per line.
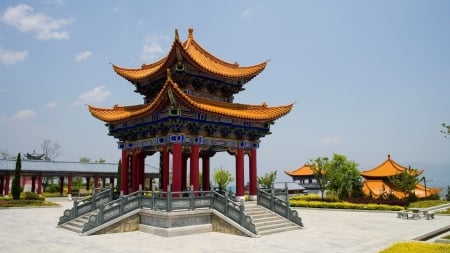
x,y
15,188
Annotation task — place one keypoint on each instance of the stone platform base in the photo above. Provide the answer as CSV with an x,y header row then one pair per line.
x,y
176,231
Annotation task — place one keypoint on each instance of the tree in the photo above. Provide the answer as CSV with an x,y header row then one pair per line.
x,y
222,178
406,181
50,150
85,160
447,197
5,154
101,160
343,176
268,179
15,187
319,167
446,130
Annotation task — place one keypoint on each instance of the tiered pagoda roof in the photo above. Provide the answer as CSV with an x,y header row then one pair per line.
x,y
171,90
190,58
376,181
304,171
190,93
387,169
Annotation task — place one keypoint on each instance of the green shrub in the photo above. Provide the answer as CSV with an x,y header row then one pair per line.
x,y
417,247
52,188
31,196
427,203
343,205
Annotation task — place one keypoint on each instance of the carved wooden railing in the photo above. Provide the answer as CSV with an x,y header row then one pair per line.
x,y
86,205
279,205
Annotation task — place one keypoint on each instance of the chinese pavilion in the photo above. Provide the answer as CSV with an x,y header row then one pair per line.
x,y
188,114
376,181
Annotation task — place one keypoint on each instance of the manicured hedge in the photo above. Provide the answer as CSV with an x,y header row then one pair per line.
x,y
417,247
343,205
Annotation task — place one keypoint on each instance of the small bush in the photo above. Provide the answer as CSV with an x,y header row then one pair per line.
x,y
52,188
31,196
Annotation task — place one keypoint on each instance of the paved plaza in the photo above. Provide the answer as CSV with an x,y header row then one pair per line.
x,y
34,230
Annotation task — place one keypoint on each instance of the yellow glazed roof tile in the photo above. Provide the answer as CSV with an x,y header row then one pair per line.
x,y
376,187
242,111
305,170
386,169
198,55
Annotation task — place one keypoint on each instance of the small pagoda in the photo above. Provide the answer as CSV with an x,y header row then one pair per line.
x,y
376,181
188,114
305,177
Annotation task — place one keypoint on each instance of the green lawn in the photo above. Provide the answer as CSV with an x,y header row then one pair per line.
x,y
417,247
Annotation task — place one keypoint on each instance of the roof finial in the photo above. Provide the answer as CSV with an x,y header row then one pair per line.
x,y
177,37
389,156
169,75
191,33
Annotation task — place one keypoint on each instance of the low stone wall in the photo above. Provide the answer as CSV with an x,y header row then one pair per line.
x,y
221,226
127,225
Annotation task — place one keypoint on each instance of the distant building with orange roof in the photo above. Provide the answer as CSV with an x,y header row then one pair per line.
x,y
305,176
376,181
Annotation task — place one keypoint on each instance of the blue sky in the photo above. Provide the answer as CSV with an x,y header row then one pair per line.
x,y
369,78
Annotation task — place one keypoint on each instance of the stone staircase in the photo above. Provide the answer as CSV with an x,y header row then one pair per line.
x,y
76,225
268,222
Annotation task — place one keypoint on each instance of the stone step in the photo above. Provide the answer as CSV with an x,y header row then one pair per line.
x,y
278,230
268,222
274,226
71,228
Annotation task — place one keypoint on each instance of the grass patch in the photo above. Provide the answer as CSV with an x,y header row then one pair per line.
x,y
427,203
447,237
315,201
24,203
417,247
444,212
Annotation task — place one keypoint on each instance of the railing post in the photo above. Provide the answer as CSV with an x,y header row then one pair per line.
x,y
226,203
93,200
192,199
272,199
140,196
75,208
100,215
241,209
121,205
111,193
287,200
212,196
153,198
169,198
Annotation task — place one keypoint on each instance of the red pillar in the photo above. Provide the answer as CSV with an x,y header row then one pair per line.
x,y
134,172
184,171
33,183
88,183
61,186
69,184
2,184
95,181
7,177
194,166
176,174
142,170
239,174
39,188
166,160
253,175
205,172
124,173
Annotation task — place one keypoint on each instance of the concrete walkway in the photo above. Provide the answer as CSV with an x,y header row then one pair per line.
x,y
34,230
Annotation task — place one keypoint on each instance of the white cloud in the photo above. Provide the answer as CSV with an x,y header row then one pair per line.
x,y
245,14
116,9
332,140
45,27
54,2
24,115
83,55
152,48
50,105
94,96
12,57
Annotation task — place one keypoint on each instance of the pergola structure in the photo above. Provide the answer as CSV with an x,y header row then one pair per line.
x,y
188,114
34,171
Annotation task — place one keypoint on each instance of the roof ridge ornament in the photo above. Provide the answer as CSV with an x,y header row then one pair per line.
x,y
191,33
177,37
169,75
